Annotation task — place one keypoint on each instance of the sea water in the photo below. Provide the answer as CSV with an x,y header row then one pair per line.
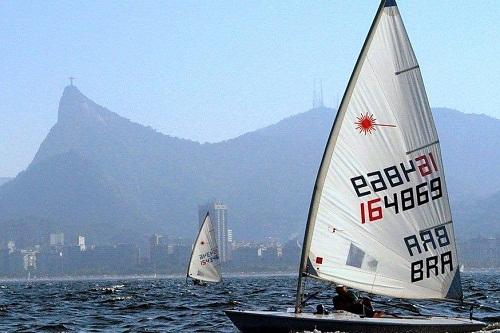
x,y
172,305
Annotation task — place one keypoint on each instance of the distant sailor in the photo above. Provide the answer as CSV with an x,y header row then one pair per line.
x,y
197,282
348,300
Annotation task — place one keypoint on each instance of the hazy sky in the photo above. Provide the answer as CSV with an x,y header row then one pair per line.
x,y
211,70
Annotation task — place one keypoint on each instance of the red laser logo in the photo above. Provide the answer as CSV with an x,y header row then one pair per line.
x,y
366,123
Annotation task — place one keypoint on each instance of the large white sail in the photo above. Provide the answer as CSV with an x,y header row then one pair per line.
x,y
204,263
380,219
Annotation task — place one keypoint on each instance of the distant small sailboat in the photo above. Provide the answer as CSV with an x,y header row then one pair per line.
x,y
204,263
379,218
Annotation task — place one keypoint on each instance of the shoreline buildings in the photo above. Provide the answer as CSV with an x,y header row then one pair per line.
x,y
218,213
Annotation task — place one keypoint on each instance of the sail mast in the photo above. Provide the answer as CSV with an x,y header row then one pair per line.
x,y
318,186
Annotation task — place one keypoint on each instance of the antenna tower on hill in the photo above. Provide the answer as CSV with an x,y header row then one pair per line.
x,y
318,95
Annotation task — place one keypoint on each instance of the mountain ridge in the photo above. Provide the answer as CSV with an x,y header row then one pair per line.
x,y
265,177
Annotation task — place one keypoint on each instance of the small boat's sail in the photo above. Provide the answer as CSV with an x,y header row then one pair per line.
x,y
204,264
380,219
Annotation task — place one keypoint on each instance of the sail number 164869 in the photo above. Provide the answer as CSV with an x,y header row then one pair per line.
x,y
406,199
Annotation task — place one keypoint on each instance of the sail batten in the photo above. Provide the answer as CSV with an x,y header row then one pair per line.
x,y
380,219
407,70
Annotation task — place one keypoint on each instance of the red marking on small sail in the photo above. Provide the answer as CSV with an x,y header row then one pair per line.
x,y
366,123
319,260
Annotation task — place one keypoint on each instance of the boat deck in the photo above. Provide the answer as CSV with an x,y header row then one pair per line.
x,y
267,321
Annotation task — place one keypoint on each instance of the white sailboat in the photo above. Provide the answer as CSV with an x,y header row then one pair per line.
x,y
204,264
379,219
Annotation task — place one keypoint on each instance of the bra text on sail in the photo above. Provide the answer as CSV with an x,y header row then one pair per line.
x,y
434,265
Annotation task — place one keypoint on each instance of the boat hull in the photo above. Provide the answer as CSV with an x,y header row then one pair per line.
x,y
267,321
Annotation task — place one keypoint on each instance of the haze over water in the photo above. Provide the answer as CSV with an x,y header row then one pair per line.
x,y
159,305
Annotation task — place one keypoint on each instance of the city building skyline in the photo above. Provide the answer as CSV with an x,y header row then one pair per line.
x,y
218,214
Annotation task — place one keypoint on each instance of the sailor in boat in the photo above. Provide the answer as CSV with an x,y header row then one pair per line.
x,y
320,309
347,300
197,282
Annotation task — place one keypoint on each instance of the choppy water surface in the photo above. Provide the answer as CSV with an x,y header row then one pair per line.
x,y
159,305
